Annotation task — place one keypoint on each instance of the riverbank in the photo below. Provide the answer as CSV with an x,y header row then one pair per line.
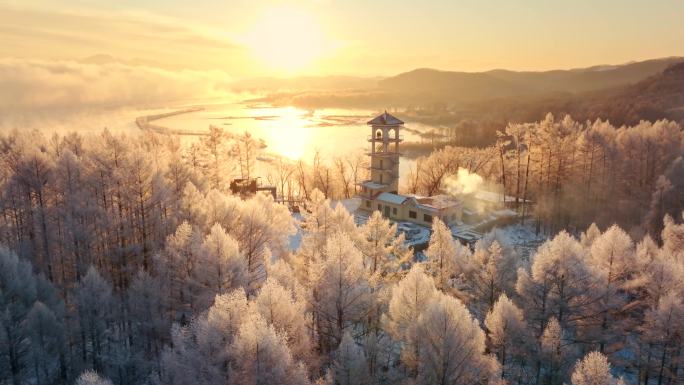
x,y
144,123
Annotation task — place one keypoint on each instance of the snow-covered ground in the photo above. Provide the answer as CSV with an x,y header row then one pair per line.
x,y
522,238
296,239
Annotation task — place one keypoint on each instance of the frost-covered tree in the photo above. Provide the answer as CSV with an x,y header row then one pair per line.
x,y
90,377
342,291
147,305
663,332
320,222
556,352
262,224
593,369
492,273
561,284
215,159
259,355
278,307
199,353
382,249
94,301
32,340
612,254
588,237
178,267
48,343
349,363
453,348
508,338
673,235
410,298
222,267
442,254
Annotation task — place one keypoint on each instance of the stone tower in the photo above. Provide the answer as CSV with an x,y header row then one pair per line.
x,y
384,164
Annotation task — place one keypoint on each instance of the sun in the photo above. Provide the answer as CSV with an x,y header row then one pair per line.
x,y
287,40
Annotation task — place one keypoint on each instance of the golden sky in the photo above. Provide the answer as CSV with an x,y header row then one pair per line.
x,y
251,38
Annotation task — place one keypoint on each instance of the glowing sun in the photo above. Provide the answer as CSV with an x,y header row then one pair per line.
x,y
287,39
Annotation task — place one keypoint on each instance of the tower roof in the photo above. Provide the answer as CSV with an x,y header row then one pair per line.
x,y
385,120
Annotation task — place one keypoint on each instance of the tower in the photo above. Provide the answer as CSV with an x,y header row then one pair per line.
x,y
384,154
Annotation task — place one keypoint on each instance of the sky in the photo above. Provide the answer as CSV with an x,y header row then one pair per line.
x,y
259,38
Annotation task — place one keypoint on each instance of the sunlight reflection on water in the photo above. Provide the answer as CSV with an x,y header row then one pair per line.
x,y
288,131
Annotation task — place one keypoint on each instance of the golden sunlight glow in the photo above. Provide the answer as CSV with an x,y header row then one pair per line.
x,y
287,39
290,137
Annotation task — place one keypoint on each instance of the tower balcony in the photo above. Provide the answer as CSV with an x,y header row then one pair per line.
x,y
384,154
384,169
380,139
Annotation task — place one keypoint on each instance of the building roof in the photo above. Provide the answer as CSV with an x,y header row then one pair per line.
x,y
372,185
385,120
495,197
391,198
438,202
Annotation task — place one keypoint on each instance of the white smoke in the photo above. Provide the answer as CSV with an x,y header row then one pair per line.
x,y
464,182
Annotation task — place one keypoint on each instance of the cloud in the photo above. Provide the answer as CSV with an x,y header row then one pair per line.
x,y
41,90
63,33
40,84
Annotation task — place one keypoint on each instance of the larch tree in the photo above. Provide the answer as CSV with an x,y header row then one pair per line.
x,y
410,298
179,269
278,307
557,353
200,352
215,159
382,249
663,331
31,325
48,344
342,296
561,266
441,254
260,356
263,224
148,304
508,338
90,377
453,351
222,266
492,273
593,369
94,301
612,253
349,363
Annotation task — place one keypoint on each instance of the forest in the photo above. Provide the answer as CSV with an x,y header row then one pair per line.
x,y
126,260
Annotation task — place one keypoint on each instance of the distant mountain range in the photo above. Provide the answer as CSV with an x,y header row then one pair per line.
x,y
479,103
450,86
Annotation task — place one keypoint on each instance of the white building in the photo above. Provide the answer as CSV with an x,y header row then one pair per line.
x,y
380,192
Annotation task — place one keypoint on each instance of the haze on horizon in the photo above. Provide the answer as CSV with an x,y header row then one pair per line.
x,y
329,37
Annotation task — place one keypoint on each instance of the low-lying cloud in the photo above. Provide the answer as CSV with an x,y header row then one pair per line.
x,y
31,84
45,90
